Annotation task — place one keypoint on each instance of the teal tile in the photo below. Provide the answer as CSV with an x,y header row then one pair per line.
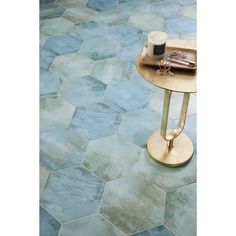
x,y
99,48
61,148
184,2
123,33
46,58
147,21
138,125
166,178
91,226
180,213
135,206
126,95
72,3
157,231
95,121
72,66
55,113
83,91
112,70
109,157
72,193
56,26
102,5
48,225
49,83
43,178
51,10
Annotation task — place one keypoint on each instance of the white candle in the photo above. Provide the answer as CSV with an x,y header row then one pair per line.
x,y
156,44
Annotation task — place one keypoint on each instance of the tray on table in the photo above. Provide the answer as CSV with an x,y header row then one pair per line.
x,y
191,55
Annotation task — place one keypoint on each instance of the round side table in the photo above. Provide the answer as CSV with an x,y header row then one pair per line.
x,y
171,147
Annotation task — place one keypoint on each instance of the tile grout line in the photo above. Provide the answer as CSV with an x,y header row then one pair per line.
x,y
80,218
145,229
49,212
171,229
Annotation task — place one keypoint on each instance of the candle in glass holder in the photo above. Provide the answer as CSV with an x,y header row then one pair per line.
x,y
156,44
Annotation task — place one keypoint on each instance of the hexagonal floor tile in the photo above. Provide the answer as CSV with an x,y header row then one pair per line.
x,y
109,157
190,11
157,231
180,213
157,100
185,2
63,44
72,65
138,125
83,91
51,10
43,178
124,34
46,58
130,51
102,5
55,113
191,36
133,207
49,83
72,3
48,225
79,13
56,26
87,30
61,149
95,225
147,21
96,121
99,48
164,177
112,70
72,193
180,25
126,95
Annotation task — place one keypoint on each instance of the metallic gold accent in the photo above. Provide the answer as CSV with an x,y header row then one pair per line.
x,y
164,68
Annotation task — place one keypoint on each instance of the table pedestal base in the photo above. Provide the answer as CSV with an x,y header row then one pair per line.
x,y
178,155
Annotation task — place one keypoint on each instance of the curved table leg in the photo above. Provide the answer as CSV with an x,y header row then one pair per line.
x,y
171,147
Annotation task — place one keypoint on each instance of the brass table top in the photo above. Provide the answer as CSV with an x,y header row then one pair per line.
x,y
182,81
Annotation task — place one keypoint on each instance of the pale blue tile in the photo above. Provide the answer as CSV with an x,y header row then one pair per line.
x,y
95,121
63,44
83,91
48,225
101,5
157,231
46,58
126,95
124,34
111,156
95,225
133,204
180,213
180,25
72,193
49,83
50,10
99,48
61,148
138,125
183,2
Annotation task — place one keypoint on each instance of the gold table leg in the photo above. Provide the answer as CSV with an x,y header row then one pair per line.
x,y
171,147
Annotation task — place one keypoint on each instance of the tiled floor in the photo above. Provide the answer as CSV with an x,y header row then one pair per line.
x,y
96,115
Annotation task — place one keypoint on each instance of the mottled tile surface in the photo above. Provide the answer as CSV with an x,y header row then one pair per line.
x,y
138,125
91,226
48,225
43,178
112,70
127,95
72,65
55,112
180,212
83,91
50,10
157,231
134,206
72,193
49,83
99,48
109,157
61,148
190,11
63,44
96,121
46,58
101,5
